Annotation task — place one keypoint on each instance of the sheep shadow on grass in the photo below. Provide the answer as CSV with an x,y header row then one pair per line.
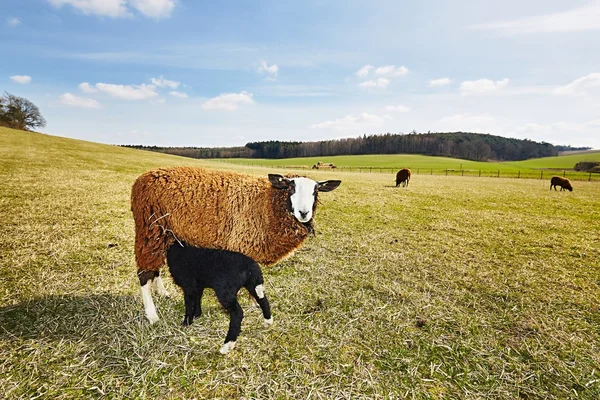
x,y
65,316
56,341
101,320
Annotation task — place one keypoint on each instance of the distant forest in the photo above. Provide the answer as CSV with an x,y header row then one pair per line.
x,y
465,145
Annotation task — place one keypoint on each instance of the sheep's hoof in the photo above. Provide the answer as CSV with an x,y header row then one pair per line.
x,y
187,321
268,322
227,347
152,318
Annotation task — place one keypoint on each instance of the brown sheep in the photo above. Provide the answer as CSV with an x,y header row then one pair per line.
x,y
264,219
564,183
403,177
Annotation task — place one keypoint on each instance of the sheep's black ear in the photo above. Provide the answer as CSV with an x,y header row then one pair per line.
x,y
278,181
328,186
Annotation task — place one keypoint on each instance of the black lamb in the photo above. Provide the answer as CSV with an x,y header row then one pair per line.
x,y
226,272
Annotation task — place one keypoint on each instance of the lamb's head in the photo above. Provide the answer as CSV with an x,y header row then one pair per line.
x,y
302,194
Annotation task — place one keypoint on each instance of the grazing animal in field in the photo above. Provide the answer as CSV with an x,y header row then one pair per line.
x,y
226,272
322,165
564,183
403,177
264,219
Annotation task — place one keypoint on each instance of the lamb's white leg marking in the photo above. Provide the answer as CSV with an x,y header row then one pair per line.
x,y
227,347
160,287
149,304
268,322
260,291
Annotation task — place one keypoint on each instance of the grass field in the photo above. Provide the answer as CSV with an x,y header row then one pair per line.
x,y
438,165
455,287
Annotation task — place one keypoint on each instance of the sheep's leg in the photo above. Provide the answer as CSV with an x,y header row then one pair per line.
x,y
235,321
145,283
159,286
258,292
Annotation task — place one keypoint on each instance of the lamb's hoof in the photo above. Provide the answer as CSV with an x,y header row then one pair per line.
x,y
268,322
152,318
187,321
227,347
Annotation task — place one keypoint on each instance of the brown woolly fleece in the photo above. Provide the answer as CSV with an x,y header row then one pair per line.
x,y
564,183
211,209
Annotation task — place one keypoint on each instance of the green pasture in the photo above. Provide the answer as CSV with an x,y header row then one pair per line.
x,y
560,162
451,288
412,161
423,165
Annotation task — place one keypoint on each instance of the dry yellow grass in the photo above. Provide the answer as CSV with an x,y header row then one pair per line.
x,y
454,287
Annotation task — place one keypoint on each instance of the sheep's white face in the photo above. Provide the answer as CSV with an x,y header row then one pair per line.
x,y
303,198
303,194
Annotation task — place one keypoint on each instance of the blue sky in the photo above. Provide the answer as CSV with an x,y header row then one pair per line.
x,y
195,73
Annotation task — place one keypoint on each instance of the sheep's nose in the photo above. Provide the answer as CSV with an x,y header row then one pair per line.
x,y
303,214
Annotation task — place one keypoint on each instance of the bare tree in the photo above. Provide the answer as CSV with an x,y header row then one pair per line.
x,y
19,113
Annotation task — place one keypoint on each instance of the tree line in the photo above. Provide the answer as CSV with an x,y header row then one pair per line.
x,y
465,145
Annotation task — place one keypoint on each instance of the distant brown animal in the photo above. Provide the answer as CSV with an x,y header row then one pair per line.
x,y
564,183
403,177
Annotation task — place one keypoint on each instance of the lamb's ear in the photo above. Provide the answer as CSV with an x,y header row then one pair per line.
x,y
278,181
328,186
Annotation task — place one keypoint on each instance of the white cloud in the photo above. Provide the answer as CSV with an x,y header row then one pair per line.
x,y
391,70
228,101
560,132
12,21
87,88
162,82
560,127
398,108
109,8
23,79
584,18
270,70
350,122
364,71
154,8
128,92
181,95
71,100
439,82
120,8
470,123
380,83
482,86
581,85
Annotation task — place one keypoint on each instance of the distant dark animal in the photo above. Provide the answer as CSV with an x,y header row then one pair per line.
x,y
226,272
403,177
564,183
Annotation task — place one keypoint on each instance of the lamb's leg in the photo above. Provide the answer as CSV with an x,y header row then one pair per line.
x,y
258,292
229,301
159,286
191,303
145,283
198,305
